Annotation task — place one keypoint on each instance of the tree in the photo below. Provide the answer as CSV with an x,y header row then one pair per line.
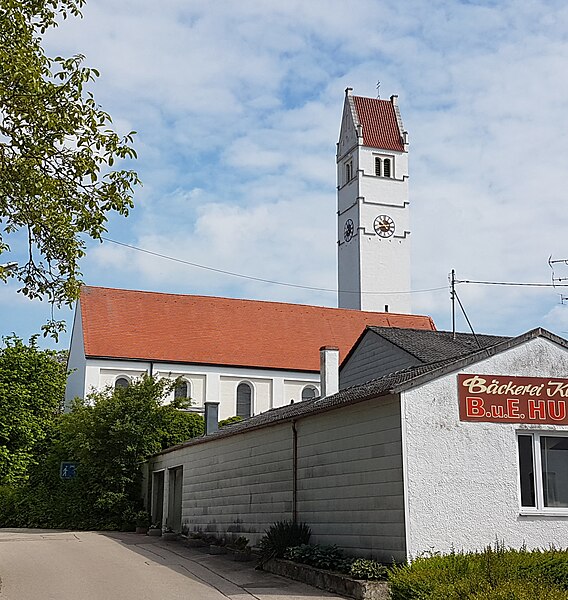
x,y
32,387
57,149
109,436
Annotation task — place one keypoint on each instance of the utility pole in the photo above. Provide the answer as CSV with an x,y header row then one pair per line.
x,y
452,279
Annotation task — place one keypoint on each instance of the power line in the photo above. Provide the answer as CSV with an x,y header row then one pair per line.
x,y
260,279
509,283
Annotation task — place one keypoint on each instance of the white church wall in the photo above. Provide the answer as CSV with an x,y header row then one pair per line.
x,y
462,478
76,363
271,388
389,192
373,271
261,395
392,296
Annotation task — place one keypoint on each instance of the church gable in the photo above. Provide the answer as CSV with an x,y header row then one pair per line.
x,y
348,132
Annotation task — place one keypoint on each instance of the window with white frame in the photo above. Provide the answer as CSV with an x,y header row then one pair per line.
x,y
384,166
244,400
543,470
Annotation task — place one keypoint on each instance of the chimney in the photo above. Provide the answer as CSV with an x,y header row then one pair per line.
x,y
211,417
329,370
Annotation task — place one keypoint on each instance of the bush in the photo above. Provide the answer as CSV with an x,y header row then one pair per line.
x,y
229,421
282,535
362,568
109,437
495,573
321,557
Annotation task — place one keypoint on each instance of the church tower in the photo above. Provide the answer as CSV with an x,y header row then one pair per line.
x,y
372,207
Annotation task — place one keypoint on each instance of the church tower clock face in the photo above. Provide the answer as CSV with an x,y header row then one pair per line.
x,y
384,226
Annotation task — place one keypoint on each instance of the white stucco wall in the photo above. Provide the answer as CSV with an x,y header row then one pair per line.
x,y
462,478
373,272
271,388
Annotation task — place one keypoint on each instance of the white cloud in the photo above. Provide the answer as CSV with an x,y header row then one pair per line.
x,y
238,105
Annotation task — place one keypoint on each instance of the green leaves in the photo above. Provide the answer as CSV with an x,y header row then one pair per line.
x,y
57,150
109,435
32,386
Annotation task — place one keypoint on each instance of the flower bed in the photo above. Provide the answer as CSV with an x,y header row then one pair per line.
x,y
328,580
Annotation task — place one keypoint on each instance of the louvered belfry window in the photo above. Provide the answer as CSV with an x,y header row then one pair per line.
x,y
387,167
377,166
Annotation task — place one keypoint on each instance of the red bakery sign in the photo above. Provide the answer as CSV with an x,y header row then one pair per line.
x,y
504,399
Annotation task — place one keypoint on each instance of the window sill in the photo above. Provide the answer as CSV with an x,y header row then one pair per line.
x,y
544,513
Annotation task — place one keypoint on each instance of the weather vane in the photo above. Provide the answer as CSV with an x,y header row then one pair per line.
x,y
378,89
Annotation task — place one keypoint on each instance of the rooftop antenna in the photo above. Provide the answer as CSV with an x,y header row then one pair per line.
x,y
378,86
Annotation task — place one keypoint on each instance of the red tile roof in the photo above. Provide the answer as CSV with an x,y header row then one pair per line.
x,y
221,331
380,125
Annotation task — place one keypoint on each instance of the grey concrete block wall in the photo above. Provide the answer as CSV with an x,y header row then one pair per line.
x,y
236,485
349,479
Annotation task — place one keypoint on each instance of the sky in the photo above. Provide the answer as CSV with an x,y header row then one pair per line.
x,y
237,107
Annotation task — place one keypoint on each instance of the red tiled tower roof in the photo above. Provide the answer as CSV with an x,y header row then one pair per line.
x,y
380,123
179,328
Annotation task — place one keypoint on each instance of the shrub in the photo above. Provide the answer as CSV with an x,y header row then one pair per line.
x,y
239,543
282,535
108,436
496,573
362,568
321,557
229,421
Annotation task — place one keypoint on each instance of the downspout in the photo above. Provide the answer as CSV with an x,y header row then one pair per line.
x,y
294,473
151,369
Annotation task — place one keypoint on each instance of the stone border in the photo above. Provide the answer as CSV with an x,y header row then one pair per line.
x,y
329,581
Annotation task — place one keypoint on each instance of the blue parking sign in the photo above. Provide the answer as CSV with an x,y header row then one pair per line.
x,y
67,470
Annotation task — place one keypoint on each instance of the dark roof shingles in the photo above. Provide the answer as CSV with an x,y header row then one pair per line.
x,y
434,346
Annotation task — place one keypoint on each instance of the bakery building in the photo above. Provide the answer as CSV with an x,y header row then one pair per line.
x,y
462,441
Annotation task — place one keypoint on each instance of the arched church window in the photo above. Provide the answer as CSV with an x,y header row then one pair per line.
x,y
121,382
387,167
309,392
348,173
182,389
244,400
377,166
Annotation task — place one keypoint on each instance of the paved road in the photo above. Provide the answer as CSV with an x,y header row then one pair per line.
x,y
57,565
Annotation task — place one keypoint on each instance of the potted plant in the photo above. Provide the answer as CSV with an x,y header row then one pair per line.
x,y
240,550
155,529
195,540
142,522
217,546
169,534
